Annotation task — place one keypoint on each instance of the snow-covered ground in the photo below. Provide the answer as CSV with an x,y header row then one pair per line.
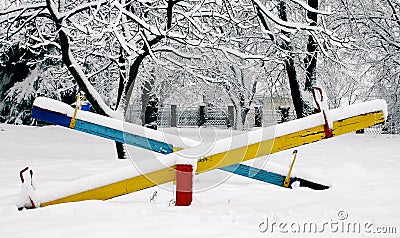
x,y
363,169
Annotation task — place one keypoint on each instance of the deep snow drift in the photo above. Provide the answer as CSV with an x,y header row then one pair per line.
x,y
364,199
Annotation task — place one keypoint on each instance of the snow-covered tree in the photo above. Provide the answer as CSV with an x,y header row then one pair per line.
x,y
106,44
103,31
299,34
374,27
112,38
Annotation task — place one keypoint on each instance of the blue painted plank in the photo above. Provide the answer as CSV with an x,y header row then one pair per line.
x,y
123,137
270,177
51,117
254,173
102,131
97,130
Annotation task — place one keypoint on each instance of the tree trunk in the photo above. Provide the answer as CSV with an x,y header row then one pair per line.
x,y
133,72
126,93
121,152
134,68
294,87
122,76
239,125
120,148
241,112
311,58
290,66
146,91
301,107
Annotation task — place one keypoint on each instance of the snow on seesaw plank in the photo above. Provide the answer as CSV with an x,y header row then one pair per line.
x,y
363,170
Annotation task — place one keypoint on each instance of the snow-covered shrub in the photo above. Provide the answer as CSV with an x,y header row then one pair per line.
x,y
15,108
17,103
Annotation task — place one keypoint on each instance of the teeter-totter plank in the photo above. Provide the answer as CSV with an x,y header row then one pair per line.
x,y
288,141
219,154
116,189
268,177
60,115
113,132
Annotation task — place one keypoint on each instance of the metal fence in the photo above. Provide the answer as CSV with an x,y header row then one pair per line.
x,y
391,127
218,117
373,130
188,117
164,117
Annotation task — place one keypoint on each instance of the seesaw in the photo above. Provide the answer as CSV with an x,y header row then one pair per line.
x,y
59,113
222,153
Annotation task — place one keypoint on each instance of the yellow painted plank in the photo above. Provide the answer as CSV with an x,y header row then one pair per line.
x,y
260,149
357,123
224,159
120,188
287,142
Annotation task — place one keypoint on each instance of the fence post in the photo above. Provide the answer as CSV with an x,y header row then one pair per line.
x,y
173,116
257,117
231,116
202,115
284,111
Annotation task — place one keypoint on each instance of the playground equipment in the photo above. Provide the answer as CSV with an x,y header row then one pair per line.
x,y
145,138
225,153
